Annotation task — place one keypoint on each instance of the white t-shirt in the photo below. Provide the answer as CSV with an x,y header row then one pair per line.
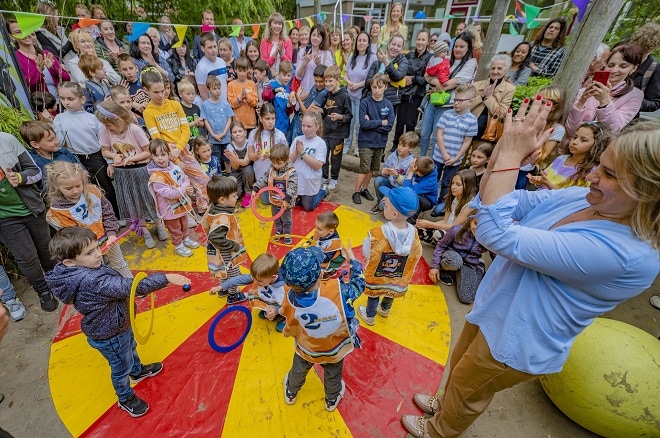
x,y
262,165
216,68
309,180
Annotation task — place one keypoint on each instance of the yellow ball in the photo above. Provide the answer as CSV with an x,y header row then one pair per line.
x,y
610,383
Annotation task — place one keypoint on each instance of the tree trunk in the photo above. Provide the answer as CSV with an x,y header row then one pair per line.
x,y
492,37
582,47
317,6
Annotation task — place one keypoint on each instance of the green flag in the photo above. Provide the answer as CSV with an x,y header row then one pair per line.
x,y
531,12
28,23
512,29
235,30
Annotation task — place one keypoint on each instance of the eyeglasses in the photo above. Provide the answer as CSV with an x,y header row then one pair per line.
x,y
462,100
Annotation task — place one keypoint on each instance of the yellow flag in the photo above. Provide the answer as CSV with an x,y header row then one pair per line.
x,y
180,33
309,20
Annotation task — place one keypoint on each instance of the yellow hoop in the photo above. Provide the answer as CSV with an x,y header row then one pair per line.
x,y
302,240
139,337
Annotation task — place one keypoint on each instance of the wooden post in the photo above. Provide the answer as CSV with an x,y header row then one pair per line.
x,y
492,37
581,49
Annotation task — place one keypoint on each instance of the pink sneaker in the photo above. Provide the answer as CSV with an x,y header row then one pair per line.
x,y
247,199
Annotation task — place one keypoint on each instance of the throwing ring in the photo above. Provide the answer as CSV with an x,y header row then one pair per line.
x,y
139,337
214,345
301,240
253,204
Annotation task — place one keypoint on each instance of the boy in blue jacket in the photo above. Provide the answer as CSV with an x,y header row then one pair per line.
x,y
423,180
101,294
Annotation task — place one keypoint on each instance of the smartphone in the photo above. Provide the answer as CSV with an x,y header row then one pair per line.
x,y
308,49
602,76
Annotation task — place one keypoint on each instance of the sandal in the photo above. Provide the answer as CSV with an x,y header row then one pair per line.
x,y
415,425
427,403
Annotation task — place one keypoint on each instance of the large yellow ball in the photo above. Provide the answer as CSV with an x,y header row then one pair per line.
x,y
610,383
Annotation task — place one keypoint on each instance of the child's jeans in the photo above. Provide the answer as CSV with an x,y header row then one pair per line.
x,y
218,151
372,304
283,224
244,178
381,181
445,174
310,202
7,291
468,277
122,356
332,373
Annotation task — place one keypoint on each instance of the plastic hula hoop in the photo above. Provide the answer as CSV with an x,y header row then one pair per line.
x,y
140,337
253,204
214,345
302,240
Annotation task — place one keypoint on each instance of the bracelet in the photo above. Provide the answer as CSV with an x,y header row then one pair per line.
x,y
602,106
505,170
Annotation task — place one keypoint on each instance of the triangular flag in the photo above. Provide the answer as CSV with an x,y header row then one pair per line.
x,y
289,24
344,18
519,8
531,12
582,7
324,15
235,30
298,23
521,19
367,18
208,28
309,21
85,22
180,30
28,23
512,29
450,16
319,18
255,30
138,30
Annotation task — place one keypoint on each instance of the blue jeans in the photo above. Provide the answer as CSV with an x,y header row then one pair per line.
x,y
218,151
445,174
6,288
381,181
521,180
355,125
429,120
372,304
296,126
310,202
122,356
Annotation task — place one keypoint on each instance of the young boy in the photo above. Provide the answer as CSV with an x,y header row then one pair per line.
x,y
242,95
392,251
397,166
282,175
438,69
337,117
456,128
96,87
217,115
327,238
101,294
278,92
210,65
333,332
225,250
312,100
422,179
187,94
376,121
260,73
129,71
122,97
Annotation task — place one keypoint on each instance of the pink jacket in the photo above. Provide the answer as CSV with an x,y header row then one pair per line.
x,y
166,196
617,114
266,47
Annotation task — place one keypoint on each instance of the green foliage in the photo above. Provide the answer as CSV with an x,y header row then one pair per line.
x,y
11,119
640,12
534,84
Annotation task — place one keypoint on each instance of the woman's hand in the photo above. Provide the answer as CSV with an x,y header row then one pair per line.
x,y
523,134
382,57
49,60
601,92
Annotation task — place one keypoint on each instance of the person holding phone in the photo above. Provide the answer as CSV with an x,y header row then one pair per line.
x,y
610,97
316,53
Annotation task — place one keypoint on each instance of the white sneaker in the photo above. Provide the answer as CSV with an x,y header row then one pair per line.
x,y
148,239
183,251
190,243
369,320
192,223
332,405
15,308
333,184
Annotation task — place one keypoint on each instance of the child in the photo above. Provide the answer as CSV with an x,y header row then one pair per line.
x,y
203,153
79,131
327,238
336,124
75,202
479,160
392,251
282,175
458,252
308,153
438,68
131,74
261,140
101,295
264,272
584,150
277,92
456,128
44,106
396,167
311,100
376,121
261,77
195,121
241,166
171,189
334,332
166,120
242,95
210,65
122,96
217,115
127,146
97,88
422,179
225,250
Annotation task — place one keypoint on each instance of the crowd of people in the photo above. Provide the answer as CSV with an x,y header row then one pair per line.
x,y
180,134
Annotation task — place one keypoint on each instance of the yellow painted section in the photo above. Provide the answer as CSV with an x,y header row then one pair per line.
x,y
354,225
164,258
265,360
255,232
81,397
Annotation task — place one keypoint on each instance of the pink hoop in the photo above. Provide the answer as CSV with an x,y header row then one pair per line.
x,y
253,204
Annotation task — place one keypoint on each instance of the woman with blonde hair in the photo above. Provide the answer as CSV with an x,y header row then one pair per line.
x,y
477,41
275,45
83,44
394,25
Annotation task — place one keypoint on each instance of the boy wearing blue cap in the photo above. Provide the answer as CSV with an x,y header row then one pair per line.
x,y
320,316
392,251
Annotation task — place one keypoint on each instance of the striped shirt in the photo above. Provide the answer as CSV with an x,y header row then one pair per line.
x,y
455,127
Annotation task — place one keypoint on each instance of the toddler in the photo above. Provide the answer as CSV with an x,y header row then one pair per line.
x,y
327,238
204,154
396,167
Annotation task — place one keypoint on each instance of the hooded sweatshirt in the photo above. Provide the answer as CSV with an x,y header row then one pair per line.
x,y
171,200
337,103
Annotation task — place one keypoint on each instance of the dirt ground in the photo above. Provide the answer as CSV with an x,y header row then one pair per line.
x,y
523,411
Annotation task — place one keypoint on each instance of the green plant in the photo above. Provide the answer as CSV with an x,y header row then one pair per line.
x,y
11,119
534,84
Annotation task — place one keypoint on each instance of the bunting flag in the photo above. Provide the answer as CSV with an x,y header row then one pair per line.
x,y
582,7
86,22
531,12
521,19
367,18
138,29
28,23
180,30
289,24
309,21
344,18
255,30
298,23
324,15
450,16
519,9
208,28
320,18
512,29
235,30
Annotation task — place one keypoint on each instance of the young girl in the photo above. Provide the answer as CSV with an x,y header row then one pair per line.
x,y
479,160
122,96
588,142
170,94
462,191
204,154
308,153
261,140
79,131
458,252
166,120
170,187
549,149
241,166
127,146
76,202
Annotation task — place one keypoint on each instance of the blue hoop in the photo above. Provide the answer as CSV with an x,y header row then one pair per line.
x,y
214,324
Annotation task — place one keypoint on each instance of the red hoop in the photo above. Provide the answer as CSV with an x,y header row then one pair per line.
x,y
253,204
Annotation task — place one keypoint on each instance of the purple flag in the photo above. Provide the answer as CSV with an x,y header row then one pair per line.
x,y
582,7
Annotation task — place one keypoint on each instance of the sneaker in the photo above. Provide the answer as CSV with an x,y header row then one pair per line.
x,y
183,251
366,194
162,233
236,298
369,320
288,241
279,327
416,425
135,406
333,184
446,278
148,371
48,302
192,223
324,187
121,223
427,403
262,314
289,397
357,152
332,405
375,209
382,312
188,242
654,300
356,198
247,200
149,240
418,127
15,308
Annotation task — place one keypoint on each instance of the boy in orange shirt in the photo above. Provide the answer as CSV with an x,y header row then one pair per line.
x,y
242,95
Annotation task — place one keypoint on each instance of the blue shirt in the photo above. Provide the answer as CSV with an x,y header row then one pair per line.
x,y
546,286
372,133
455,128
217,114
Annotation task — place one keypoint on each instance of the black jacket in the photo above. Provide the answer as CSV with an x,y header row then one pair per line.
x,y
178,69
651,100
337,103
416,68
396,70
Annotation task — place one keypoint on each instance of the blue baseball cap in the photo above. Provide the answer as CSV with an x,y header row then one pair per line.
x,y
301,268
403,199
